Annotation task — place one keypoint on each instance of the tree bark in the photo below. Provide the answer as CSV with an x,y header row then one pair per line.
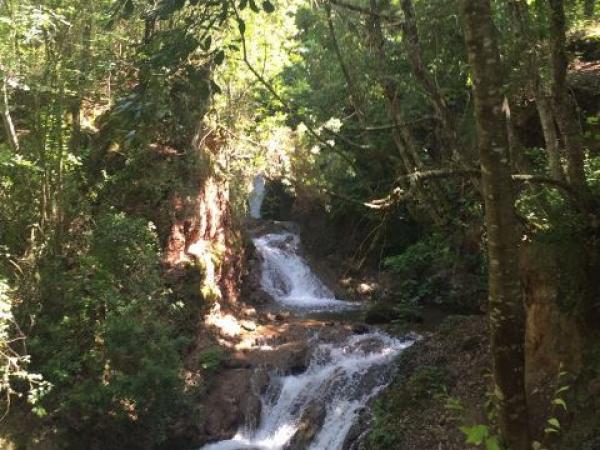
x,y
527,44
544,108
507,321
9,126
565,108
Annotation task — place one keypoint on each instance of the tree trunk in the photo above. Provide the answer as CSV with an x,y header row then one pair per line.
x,y
507,324
9,126
527,44
546,114
566,111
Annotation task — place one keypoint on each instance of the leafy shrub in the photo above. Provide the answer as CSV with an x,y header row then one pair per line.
x,y
103,341
211,358
434,270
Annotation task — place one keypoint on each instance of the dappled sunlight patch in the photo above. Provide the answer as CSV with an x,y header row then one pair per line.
x,y
227,324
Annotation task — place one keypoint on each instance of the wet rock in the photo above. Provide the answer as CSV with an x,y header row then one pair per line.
x,y
310,424
227,403
360,329
234,402
294,358
381,313
252,412
358,431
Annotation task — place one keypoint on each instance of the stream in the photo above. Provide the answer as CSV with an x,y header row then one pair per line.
x,y
341,377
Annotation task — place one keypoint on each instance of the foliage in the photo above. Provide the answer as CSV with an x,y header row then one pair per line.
x,y
110,101
13,361
113,364
211,358
429,270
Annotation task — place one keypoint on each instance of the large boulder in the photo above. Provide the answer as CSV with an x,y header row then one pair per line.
x,y
234,401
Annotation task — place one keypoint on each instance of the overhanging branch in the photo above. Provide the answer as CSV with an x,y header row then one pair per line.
x,y
398,194
286,106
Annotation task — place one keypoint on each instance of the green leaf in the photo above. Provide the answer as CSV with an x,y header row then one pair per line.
x,y
219,57
553,421
253,6
492,443
224,12
560,402
241,26
243,4
476,434
268,6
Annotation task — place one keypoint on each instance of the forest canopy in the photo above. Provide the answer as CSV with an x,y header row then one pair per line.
x,y
432,142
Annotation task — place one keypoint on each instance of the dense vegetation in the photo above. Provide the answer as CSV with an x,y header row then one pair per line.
x,y
420,132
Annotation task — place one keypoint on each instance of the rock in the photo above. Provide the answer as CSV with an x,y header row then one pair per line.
x,y
226,403
358,431
310,424
237,362
233,402
294,359
248,325
360,329
470,344
381,313
384,312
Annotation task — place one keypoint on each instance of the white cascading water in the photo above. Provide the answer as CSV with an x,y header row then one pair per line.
x,y
257,196
287,277
341,377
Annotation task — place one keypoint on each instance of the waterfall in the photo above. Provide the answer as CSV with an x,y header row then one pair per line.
x,y
287,277
257,196
341,377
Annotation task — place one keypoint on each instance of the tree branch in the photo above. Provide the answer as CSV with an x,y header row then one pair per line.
x,y
286,106
397,195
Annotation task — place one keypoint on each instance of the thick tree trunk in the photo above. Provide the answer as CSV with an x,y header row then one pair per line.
x,y
566,111
507,322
